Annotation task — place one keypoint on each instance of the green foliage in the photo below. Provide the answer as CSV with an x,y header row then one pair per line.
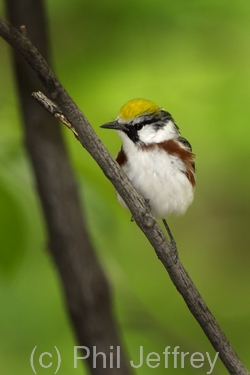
x,y
11,221
192,58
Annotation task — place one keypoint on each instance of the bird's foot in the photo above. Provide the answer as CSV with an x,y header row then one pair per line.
x,y
172,242
147,205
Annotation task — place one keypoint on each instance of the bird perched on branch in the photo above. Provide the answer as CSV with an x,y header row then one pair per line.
x,y
155,157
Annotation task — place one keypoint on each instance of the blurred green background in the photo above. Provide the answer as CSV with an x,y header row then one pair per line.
x,y
193,59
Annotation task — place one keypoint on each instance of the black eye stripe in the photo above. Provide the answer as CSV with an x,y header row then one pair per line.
x,y
146,121
159,120
139,125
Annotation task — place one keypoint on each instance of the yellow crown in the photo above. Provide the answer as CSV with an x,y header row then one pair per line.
x,y
137,107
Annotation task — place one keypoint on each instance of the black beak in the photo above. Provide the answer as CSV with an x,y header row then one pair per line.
x,y
114,125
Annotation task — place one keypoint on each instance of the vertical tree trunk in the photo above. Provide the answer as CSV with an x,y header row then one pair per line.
x,y
86,290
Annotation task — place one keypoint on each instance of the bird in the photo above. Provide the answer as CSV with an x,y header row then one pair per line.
x,y
156,158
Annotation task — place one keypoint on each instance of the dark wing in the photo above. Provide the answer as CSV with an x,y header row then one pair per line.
x,y
185,143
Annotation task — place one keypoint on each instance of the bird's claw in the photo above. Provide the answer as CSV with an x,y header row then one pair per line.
x,y
147,205
172,242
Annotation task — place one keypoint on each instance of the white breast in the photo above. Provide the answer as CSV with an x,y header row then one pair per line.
x,y
159,177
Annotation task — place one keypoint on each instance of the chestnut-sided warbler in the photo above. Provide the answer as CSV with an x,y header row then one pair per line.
x,y
156,158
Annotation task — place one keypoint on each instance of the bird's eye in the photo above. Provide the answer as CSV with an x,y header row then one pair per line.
x,y
138,126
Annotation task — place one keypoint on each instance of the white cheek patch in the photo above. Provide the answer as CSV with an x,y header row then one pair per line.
x,y
148,134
